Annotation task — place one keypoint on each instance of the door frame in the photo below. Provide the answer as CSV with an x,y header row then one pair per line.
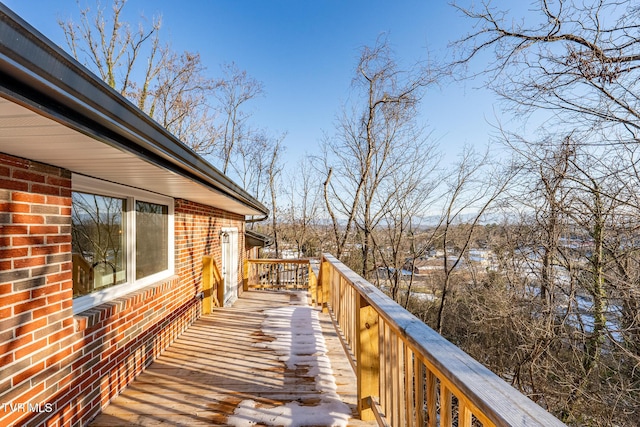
x,y
230,264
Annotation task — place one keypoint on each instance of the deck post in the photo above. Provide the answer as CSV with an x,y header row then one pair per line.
x,y
245,278
324,282
319,281
313,284
367,358
208,288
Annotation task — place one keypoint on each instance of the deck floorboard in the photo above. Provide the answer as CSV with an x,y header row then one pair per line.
x,y
225,360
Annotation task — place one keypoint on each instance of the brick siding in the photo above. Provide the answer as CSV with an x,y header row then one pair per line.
x,y
198,229
72,366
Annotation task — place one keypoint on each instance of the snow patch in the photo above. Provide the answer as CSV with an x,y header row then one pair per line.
x,y
300,345
326,413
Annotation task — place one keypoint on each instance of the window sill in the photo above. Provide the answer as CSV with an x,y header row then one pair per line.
x,y
91,317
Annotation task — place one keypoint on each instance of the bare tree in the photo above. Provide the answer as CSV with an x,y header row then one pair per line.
x,y
274,170
545,189
411,192
180,102
580,59
171,87
236,90
470,192
110,47
252,163
302,222
374,138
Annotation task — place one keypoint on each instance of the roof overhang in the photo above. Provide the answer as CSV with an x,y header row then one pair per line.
x,y
253,239
53,110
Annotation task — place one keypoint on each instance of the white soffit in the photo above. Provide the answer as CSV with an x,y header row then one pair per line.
x,y
24,133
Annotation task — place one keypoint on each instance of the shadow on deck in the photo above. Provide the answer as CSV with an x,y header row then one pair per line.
x,y
270,359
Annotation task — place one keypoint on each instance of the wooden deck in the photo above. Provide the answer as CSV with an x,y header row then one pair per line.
x,y
268,360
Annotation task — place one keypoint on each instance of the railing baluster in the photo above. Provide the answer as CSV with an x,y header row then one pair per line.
x,y
349,313
393,379
353,298
432,399
400,374
383,364
464,414
446,416
343,310
420,385
388,408
409,386
393,371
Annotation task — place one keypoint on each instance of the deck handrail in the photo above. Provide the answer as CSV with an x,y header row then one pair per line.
x,y
415,374
277,274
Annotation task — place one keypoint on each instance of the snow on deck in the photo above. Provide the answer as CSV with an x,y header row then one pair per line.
x,y
300,345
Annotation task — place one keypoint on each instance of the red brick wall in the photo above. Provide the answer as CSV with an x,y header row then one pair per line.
x,y
36,316
198,234
71,366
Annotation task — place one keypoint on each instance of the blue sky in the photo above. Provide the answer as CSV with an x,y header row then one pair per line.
x,y
305,53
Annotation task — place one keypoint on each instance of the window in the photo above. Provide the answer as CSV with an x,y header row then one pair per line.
x,y
122,240
98,242
151,238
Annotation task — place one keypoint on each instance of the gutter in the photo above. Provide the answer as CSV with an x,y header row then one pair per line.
x,y
259,219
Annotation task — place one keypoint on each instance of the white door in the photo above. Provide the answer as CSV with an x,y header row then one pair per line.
x,y
229,239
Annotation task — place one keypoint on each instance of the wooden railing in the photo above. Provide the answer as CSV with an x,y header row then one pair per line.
x,y
280,274
408,375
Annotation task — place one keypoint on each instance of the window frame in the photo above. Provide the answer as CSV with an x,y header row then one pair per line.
x,y
85,184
